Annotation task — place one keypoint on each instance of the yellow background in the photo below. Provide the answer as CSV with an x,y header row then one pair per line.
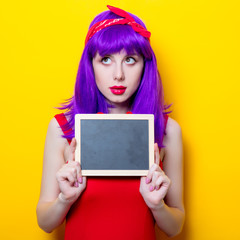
x,y
197,47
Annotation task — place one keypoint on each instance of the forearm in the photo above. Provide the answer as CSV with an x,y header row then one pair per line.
x,y
170,220
51,214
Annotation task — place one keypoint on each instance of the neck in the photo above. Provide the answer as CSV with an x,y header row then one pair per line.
x,y
119,108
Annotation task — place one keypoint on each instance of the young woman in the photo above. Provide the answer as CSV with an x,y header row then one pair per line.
x,y
117,74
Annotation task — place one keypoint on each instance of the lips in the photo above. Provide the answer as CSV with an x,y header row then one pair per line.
x,y
118,90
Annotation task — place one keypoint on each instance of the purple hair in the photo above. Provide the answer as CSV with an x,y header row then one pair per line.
x,y
148,99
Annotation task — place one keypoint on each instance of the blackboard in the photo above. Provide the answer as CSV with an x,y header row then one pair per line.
x,y
114,144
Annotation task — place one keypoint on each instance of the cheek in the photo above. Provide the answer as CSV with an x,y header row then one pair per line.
x,y
102,79
99,82
136,76
98,74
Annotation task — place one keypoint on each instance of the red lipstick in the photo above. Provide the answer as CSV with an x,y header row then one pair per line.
x,y
118,90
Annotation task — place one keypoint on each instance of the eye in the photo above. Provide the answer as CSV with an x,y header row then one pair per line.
x,y
130,60
106,60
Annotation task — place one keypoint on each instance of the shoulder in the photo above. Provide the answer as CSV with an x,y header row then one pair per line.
x,y
54,123
54,128
54,135
173,138
173,129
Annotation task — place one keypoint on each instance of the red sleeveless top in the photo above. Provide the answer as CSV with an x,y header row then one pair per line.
x,y
109,208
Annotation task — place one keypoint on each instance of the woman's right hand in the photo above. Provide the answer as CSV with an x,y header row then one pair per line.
x,y
69,177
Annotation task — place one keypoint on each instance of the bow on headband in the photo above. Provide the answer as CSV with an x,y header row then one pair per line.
x,y
127,19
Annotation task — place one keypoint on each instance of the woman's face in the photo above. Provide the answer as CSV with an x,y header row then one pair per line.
x,y
118,75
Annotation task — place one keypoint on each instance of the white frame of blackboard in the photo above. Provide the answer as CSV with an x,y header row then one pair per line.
x,y
149,117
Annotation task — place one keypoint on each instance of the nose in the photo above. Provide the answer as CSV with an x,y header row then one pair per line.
x,y
118,72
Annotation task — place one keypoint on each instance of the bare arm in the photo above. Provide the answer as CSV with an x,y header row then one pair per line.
x,y
61,183
168,185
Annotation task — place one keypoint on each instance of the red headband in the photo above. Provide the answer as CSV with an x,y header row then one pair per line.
x,y
127,19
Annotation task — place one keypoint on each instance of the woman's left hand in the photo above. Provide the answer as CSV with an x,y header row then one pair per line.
x,y
155,186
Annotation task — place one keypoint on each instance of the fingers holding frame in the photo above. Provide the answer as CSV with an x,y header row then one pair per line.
x,y
70,155
73,147
70,172
156,176
151,171
156,154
